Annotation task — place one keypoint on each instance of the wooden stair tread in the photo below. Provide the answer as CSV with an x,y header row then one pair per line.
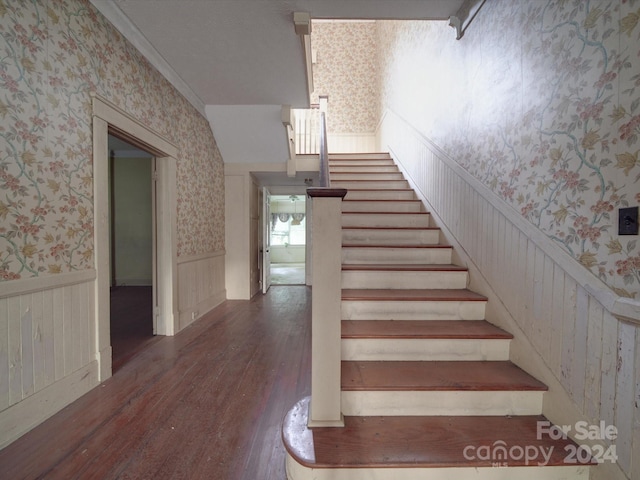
x,y
407,267
385,190
384,200
364,156
366,245
432,329
385,213
437,376
446,295
359,172
413,441
390,228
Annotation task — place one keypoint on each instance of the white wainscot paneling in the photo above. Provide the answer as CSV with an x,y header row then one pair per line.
x,y
47,349
201,285
585,338
352,142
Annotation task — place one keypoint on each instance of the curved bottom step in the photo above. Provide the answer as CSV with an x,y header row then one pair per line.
x,y
430,447
296,471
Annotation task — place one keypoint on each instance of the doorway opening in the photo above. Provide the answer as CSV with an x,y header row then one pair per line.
x,y
110,119
132,262
288,231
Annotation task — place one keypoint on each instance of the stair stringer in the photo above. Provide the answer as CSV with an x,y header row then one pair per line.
x,y
558,406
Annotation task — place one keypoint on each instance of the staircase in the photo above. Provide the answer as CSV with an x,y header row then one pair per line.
x,y
428,391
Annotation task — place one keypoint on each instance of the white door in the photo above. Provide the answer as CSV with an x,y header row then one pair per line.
x,y
266,240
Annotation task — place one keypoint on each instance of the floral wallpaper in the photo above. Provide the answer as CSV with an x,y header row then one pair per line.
x,y
540,100
346,71
53,55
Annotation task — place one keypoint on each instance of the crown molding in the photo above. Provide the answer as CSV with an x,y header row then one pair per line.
x,y
128,29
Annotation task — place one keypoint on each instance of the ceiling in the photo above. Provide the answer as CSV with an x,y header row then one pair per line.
x,y
233,53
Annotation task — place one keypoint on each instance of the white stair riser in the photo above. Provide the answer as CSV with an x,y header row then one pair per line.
x,y
386,220
360,157
298,471
354,194
425,349
370,184
361,163
408,403
366,176
412,310
390,237
399,279
362,168
389,255
379,206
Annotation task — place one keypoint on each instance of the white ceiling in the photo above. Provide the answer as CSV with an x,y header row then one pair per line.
x,y
243,52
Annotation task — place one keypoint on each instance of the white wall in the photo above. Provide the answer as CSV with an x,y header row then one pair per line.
x,y
249,133
288,254
237,236
132,221
241,236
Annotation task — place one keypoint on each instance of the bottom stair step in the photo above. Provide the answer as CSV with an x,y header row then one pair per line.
x,y
429,448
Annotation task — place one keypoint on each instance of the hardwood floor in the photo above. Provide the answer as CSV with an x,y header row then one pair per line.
x,y
205,404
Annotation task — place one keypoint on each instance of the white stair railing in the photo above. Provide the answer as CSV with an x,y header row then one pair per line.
x,y
307,130
308,126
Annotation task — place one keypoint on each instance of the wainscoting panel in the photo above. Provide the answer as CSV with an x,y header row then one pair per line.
x,y
352,142
47,337
564,312
201,285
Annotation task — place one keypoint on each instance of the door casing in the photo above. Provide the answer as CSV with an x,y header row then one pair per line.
x,y
108,118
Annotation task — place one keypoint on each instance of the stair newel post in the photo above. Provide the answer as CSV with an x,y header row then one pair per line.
x,y
325,406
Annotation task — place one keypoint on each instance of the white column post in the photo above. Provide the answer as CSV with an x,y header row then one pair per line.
x,y
325,405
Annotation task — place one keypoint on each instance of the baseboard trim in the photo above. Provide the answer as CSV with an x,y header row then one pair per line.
x,y
191,314
23,416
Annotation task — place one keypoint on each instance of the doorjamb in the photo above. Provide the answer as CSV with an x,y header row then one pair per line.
x,y
108,118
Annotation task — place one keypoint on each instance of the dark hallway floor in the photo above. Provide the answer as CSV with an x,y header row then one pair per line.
x,y
131,322
207,403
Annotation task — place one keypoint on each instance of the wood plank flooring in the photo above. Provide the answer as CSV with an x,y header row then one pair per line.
x,y
205,404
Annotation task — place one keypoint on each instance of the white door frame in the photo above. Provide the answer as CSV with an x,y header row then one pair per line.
x,y
109,118
266,239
